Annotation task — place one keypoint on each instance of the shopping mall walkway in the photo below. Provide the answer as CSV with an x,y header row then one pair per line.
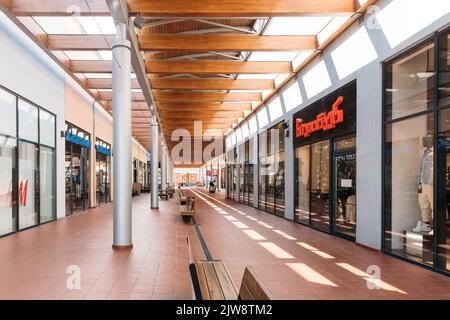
x,y
295,262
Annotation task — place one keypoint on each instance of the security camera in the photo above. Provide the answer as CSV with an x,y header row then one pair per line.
x,y
139,22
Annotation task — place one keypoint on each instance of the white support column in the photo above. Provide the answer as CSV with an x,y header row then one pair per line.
x,y
154,164
163,167
121,91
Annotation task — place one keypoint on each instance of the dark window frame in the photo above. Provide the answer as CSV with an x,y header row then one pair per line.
x,y
435,110
15,173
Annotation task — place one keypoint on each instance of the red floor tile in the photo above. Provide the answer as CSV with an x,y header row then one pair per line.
x,y
34,262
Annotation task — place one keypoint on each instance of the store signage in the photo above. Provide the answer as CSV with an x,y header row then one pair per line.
x,y
78,140
330,116
324,121
6,199
208,173
103,150
23,190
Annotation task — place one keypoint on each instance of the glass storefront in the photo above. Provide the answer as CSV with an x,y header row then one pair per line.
x,y
243,194
416,149
325,163
246,168
77,169
271,170
102,171
27,164
231,174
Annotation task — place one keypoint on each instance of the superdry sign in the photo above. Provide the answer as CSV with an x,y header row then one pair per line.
x,y
332,115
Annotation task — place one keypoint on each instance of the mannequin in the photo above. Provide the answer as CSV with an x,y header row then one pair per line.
x,y
425,186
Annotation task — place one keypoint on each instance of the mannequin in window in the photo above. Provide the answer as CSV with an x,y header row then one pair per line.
x,y
425,186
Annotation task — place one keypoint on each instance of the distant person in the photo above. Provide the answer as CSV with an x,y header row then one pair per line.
x,y
211,184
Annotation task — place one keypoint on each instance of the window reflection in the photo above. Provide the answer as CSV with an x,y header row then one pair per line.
x,y
320,184
302,184
410,83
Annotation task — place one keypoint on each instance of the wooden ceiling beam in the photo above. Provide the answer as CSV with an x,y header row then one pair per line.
x,y
212,84
201,115
187,42
204,106
79,42
107,96
217,66
231,8
138,106
207,96
194,67
91,66
178,121
225,42
107,83
59,7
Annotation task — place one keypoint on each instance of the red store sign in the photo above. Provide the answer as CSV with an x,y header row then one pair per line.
x,y
324,121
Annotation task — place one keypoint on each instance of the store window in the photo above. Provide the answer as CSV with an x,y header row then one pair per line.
x,y
262,158
416,164
250,169
231,174
77,169
27,164
8,195
241,164
325,163
247,171
28,121
47,183
271,170
102,171
9,113
47,128
135,171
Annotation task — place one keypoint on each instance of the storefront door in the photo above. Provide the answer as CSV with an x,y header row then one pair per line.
x,y
320,185
76,178
345,193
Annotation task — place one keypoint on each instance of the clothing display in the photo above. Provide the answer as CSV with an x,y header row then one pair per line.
x,y
350,209
424,181
426,202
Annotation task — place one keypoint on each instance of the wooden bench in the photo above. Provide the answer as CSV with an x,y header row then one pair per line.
x,y
136,189
212,281
252,288
163,194
170,192
181,196
187,210
145,189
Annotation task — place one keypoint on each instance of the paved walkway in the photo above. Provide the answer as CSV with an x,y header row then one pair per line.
x,y
295,262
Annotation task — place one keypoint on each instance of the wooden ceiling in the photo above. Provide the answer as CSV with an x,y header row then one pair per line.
x,y
193,51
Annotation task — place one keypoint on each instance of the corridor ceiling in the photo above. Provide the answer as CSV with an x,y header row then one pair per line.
x,y
214,61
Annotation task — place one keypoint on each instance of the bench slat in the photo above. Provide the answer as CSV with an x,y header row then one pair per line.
x,y
244,293
226,283
184,210
202,281
215,290
252,285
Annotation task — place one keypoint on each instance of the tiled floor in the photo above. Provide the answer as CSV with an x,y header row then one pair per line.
x,y
295,262
33,263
